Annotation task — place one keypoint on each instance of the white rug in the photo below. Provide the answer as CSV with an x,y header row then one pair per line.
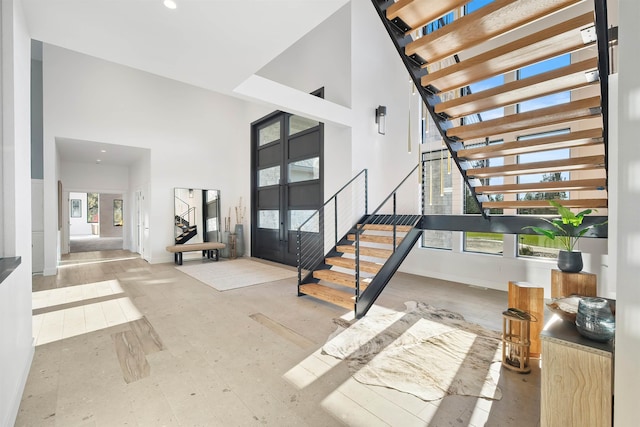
x,y
224,275
427,352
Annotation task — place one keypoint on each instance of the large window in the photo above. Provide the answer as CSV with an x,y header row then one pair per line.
x,y
438,195
532,245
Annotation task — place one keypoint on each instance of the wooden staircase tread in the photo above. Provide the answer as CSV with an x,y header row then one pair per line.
x,y
418,13
562,113
575,185
470,30
508,148
350,263
369,238
521,204
340,278
562,79
331,295
386,227
571,164
559,39
365,251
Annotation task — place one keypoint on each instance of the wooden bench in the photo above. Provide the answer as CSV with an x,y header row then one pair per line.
x,y
208,248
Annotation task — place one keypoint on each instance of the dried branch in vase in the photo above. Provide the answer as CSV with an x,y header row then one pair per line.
x,y
241,211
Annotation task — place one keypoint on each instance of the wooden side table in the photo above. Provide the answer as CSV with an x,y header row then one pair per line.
x,y
529,298
566,284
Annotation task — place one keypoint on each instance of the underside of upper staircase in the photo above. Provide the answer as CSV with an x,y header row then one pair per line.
x,y
497,41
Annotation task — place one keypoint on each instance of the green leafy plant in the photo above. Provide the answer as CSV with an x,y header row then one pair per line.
x,y
568,229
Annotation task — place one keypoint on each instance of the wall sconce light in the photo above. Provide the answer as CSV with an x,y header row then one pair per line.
x,y
191,193
381,116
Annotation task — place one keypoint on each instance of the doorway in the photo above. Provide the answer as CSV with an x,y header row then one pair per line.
x,y
95,222
287,182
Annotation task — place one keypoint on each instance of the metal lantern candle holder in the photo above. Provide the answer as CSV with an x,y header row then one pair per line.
x,y
515,340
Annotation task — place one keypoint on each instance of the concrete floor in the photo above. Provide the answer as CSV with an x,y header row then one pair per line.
x,y
232,358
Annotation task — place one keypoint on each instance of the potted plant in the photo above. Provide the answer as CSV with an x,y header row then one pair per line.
x,y
568,229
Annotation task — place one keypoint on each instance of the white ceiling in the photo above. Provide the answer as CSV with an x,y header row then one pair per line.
x,y
79,151
213,44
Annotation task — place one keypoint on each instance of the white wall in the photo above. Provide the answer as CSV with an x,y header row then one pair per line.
x,y
197,139
379,78
16,342
320,59
627,369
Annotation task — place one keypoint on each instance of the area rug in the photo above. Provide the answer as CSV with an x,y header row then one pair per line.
x,y
224,275
425,351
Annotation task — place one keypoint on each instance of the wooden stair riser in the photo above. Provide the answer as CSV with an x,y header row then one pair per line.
x,y
551,42
350,263
563,165
328,294
563,113
418,13
511,148
386,227
365,251
375,239
529,204
339,278
568,78
470,30
542,187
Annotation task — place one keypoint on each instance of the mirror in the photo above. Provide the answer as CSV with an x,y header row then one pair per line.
x,y
196,215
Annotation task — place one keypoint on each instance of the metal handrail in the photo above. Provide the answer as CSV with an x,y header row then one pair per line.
x,y
311,246
363,171
369,220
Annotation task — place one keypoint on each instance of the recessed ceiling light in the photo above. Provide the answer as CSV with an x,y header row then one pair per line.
x,y
103,151
170,4
98,161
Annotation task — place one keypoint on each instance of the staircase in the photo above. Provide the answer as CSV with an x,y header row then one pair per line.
x,y
360,263
499,39
186,231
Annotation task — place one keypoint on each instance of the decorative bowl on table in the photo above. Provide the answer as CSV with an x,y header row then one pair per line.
x,y
566,308
595,319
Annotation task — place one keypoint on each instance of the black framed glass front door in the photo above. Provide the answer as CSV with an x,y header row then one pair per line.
x,y
287,169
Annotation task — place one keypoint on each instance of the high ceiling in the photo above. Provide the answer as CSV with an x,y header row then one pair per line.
x,y
212,44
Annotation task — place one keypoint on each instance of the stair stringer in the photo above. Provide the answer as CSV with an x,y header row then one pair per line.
x,y
379,282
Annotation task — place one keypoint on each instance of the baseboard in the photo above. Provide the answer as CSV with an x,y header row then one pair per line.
x,y
13,409
50,271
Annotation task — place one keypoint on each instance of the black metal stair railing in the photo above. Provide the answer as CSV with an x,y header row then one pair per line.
x,y
397,209
322,231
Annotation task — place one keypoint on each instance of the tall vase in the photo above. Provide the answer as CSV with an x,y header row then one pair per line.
x,y
239,240
224,238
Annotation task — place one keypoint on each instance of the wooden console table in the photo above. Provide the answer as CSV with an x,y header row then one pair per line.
x,y
576,384
566,284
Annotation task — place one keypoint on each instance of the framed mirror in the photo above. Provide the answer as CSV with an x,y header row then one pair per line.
x,y
196,215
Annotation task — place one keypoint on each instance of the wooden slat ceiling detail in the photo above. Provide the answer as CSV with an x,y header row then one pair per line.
x,y
484,24
520,204
577,185
571,77
418,13
563,113
559,39
563,165
509,148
